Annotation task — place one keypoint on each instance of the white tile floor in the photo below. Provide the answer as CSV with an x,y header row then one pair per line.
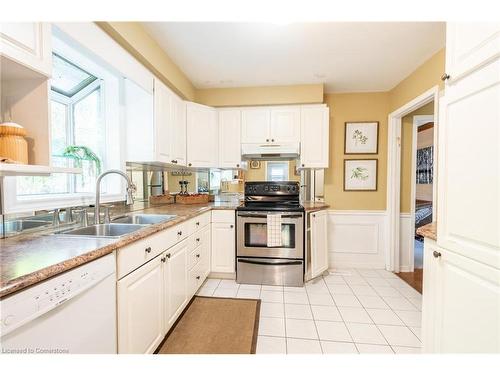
x,y
348,311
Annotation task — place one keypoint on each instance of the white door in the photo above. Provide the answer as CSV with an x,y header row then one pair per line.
x,y
256,125
202,136
314,133
162,123
467,316
175,278
223,247
229,138
319,242
285,125
469,155
140,309
429,301
28,43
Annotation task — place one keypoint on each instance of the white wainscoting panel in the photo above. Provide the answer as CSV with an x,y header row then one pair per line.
x,y
357,239
406,240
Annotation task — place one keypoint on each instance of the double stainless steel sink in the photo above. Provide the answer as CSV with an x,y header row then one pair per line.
x,y
118,227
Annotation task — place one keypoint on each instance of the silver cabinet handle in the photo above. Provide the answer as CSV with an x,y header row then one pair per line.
x,y
436,254
445,77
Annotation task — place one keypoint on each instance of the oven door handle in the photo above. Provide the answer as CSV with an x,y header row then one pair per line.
x,y
265,216
286,263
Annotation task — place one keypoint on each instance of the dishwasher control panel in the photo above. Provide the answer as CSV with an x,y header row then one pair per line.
x,y
28,304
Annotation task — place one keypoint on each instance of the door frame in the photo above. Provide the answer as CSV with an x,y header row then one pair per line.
x,y
394,170
417,121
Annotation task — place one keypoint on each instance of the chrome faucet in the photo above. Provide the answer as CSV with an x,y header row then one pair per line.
x,y
130,190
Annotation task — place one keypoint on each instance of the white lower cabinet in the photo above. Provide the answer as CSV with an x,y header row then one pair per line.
x,y
461,303
319,242
175,280
223,241
158,286
140,309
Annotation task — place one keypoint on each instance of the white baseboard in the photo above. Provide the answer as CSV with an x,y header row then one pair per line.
x,y
357,239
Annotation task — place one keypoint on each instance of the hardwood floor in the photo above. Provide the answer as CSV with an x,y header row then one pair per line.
x,y
414,279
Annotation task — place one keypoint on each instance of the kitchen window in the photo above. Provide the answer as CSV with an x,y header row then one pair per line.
x,y
76,120
85,132
277,171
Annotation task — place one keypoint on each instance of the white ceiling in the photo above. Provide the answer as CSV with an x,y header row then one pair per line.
x,y
345,56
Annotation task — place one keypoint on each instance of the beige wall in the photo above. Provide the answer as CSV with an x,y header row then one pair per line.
x,y
134,38
355,107
422,79
242,96
406,154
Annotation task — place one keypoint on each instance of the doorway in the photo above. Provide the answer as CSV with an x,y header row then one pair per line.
x,y
402,204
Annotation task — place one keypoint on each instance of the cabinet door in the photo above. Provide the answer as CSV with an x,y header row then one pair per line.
x,y
474,98
178,146
314,137
202,136
285,125
467,318
162,123
319,243
256,125
28,43
175,279
223,247
470,45
140,309
230,138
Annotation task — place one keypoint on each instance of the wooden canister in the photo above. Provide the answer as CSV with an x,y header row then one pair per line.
x,y
12,143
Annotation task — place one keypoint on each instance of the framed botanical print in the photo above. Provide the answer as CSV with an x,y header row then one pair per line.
x,y
360,174
361,138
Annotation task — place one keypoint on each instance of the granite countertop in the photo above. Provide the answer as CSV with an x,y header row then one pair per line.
x,y
28,259
315,206
428,231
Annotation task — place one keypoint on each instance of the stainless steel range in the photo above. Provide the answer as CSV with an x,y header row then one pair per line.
x,y
260,260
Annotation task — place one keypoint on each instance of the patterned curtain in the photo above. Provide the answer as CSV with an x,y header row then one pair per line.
x,y
425,162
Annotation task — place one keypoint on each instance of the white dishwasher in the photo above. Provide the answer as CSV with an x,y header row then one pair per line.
x,y
74,312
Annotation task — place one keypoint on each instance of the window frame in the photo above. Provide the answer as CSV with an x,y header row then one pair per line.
x,y
286,176
111,94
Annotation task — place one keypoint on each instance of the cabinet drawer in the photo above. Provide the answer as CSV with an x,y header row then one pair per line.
x,y
199,241
223,216
197,223
195,279
136,254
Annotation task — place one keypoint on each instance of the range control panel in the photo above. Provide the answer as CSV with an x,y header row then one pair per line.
x,y
272,188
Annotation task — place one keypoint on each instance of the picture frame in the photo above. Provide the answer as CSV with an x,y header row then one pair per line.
x,y
361,137
360,174
254,164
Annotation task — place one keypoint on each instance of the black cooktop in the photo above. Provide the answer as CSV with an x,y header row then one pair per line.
x,y
272,196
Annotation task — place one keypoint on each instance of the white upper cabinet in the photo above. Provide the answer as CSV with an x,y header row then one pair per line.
x,y
229,138
470,45
314,136
285,125
28,43
273,125
202,136
319,242
162,123
178,120
156,125
256,125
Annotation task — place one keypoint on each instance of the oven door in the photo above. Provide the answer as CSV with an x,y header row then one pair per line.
x,y
252,235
